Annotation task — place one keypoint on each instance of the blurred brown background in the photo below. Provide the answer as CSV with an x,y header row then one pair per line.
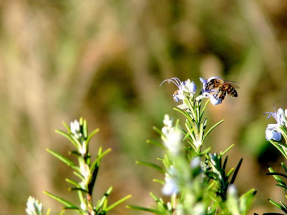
x,y
104,61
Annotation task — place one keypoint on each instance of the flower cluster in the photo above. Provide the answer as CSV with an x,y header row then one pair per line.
x,y
274,131
187,89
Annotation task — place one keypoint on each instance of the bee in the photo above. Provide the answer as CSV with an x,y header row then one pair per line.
x,y
224,87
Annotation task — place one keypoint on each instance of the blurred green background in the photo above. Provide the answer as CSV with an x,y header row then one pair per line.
x,y
105,60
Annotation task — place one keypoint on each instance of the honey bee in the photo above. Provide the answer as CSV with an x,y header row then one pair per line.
x,y
224,87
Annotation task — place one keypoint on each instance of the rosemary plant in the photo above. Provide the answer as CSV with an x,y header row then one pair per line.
x,y
196,180
274,133
86,171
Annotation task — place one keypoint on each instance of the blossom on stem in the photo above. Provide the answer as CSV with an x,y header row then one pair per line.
x,y
213,99
172,136
185,87
34,207
273,130
167,121
75,128
173,140
170,187
205,93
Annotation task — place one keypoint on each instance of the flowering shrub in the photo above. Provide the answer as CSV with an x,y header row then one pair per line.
x,y
274,133
196,180
86,171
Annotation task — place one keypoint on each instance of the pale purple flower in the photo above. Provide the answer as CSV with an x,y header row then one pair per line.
x,y
273,130
213,99
195,162
183,87
170,187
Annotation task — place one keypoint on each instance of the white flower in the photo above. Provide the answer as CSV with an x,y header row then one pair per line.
x,y
232,190
213,99
185,87
83,206
188,86
173,140
170,187
167,121
195,162
172,135
82,149
34,207
75,128
273,131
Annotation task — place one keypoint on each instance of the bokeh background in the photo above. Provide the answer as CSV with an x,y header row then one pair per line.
x,y
105,60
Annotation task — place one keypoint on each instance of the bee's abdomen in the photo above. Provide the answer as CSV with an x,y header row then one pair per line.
x,y
232,92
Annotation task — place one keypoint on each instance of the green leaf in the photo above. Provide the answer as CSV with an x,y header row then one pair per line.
x,y
158,181
65,160
282,185
246,199
277,205
79,175
79,189
184,113
203,109
226,150
143,209
103,199
155,143
67,127
76,143
280,147
100,156
213,127
72,182
205,151
151,165
225,162
117,203
154,197
236,171
283,165
277,173
48,211
92,134
277,178
158,131
95,168
61,200
85,129
283,206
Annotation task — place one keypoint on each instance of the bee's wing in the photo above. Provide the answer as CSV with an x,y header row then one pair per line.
x,y
233,83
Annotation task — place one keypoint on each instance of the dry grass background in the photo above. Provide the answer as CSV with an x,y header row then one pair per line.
x,y
104,60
